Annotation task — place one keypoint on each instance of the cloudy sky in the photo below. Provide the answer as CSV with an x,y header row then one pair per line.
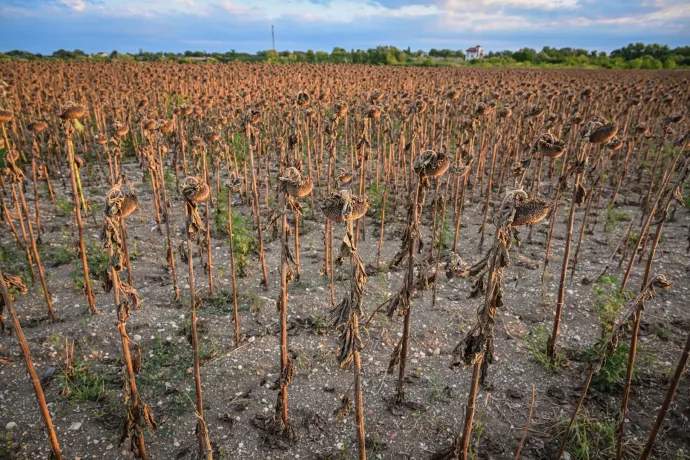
x,y
245,25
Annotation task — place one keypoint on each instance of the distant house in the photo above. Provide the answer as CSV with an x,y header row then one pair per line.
x,y
476,52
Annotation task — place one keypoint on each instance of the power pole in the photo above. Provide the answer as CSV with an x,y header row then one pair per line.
x,y
273,38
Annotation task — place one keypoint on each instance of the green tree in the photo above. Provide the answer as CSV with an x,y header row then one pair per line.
x,y
321,56
525,55
339,55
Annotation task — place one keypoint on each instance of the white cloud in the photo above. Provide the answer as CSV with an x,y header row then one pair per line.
x,y
484,5
76,5
331,11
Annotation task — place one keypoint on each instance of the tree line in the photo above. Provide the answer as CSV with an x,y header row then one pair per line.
x,y
632,56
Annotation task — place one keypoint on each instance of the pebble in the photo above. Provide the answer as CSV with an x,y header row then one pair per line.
x,y
437,351
251,339
137,337
10,426
75,426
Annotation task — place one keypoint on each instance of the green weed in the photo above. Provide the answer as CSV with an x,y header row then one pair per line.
x,y
134,252
244,241
609,301
82,384
613,219
64,205
55,255
611,376
592,438
536,342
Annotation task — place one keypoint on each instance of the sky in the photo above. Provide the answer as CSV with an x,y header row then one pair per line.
x,y
43,26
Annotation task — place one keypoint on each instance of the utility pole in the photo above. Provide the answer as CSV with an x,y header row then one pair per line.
x,y
273,38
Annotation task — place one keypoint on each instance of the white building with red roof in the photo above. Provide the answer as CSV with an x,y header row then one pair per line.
x,y
476,52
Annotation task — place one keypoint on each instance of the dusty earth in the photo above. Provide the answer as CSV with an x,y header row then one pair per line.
x,y
236,381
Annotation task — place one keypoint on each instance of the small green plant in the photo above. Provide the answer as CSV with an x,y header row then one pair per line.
x,y
634,236
244,241
663,331
320,322
64,205
12,260
536,342
609,301
239,144
146,177
97,258
207,351
94,207
169,177
613,219
55,339
436,393
592,438
221,302
55,255
78,280
477,433
134,253
249,302
681,454
82,384
6,447
168,361
611,376
443,231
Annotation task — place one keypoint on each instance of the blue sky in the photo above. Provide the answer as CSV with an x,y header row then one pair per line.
x,y
245,25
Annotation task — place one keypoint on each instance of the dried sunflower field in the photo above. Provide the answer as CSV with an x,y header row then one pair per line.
x,y
334,262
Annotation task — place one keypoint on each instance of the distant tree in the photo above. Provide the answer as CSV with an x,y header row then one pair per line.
x,y
271,56
321,56
339,55
525,55
17,54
